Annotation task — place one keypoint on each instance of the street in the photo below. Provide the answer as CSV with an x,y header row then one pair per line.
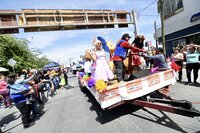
x,y
72,111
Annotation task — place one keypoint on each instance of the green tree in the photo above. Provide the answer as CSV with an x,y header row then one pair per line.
x,y
17,48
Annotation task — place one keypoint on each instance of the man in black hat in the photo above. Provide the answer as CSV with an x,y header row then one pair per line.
x,y
120,55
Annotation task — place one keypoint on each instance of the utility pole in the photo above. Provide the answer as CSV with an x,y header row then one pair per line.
x,y
13,69
135,22
155,34
161,4
70,61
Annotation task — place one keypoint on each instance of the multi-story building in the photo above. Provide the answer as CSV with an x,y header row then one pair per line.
x,y
181,23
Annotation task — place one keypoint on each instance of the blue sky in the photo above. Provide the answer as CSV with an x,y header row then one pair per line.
x,y
62,45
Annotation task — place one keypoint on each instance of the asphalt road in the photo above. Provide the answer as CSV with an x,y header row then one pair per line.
x,y
71,111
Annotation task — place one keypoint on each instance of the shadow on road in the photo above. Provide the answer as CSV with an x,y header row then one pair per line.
x,y
9,118
73,76
164,120
105,116
184,83
70,87
12,128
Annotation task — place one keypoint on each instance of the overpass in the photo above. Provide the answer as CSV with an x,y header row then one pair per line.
x,y
36,20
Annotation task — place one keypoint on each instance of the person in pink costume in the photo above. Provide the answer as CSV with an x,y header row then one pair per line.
x,y
102,70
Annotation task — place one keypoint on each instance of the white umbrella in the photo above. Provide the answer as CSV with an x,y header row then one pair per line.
x,y
2,69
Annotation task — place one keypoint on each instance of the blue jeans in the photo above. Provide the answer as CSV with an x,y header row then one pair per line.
x,y
34,108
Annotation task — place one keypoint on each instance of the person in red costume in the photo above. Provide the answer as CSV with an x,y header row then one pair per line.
x,y
120,55
138,43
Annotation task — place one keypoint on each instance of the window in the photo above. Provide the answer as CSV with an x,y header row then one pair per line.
x,y
195,39
171,7
179,43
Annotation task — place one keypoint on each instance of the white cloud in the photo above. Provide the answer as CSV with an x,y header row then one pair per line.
x,y
76,4
62,54
41,40
44,40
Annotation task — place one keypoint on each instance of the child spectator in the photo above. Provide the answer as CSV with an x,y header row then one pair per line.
x,y
4,91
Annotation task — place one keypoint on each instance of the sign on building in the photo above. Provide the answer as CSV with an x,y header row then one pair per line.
x,y
195,17
12,62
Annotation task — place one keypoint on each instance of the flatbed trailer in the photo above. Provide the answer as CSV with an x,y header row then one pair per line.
x,y
138,92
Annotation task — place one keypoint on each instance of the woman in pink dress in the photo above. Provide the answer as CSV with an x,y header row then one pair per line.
x,y
102,72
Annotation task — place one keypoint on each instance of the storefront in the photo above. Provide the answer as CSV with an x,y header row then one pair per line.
x,y
181,25
182,38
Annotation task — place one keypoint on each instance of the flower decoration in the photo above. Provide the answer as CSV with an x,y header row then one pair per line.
x,y
91,82
100,85
81,74
111,46
85,77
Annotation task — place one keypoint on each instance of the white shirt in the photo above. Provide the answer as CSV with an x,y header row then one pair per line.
x,y
87,67
179,56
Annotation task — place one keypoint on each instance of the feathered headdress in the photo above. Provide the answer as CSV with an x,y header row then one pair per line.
x,y
137,42
140,37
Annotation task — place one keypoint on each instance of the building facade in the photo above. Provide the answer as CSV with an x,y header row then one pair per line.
x,y
181,24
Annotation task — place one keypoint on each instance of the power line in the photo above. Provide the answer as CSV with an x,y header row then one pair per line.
x,y
147,6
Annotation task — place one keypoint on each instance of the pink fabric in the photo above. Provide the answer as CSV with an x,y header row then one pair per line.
x,y
93,68
102,71
154,69
3,87
5,93
136,60
173,60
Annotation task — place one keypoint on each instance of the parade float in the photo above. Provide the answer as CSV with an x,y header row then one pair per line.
x,y
137,90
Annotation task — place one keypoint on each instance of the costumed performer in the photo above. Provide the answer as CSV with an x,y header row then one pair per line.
x,y
105,48
138,43
120,55
87,64
102,71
